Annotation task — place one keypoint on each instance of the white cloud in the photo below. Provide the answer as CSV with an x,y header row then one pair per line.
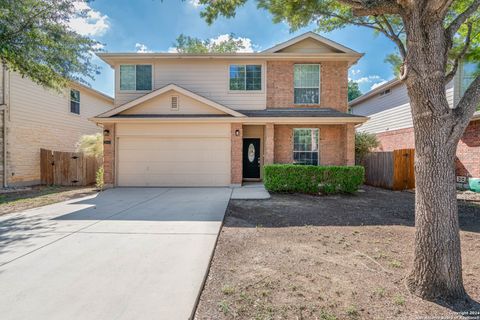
x,y
94,23
141,48
378,84
368,79
355,72
195,3
246,42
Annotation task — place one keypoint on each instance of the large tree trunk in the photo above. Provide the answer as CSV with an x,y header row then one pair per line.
x,y
437,267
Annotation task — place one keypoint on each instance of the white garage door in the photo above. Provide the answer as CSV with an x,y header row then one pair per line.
x,y
173,155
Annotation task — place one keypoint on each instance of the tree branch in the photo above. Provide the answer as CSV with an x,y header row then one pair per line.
x,y
394,37
465,109
362,8
460,56
460,19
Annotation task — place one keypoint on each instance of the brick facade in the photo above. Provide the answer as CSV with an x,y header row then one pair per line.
x,y
468,150
269,154
109,155
336,144
396,139
333,85
236,154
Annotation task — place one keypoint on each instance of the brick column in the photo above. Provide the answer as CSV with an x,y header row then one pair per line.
x,y
349,144
269,157
236,154
109,155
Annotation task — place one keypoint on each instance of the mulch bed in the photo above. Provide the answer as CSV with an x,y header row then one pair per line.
x,y
326,257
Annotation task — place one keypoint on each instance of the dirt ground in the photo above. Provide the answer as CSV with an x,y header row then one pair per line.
x,y
327,257
37,196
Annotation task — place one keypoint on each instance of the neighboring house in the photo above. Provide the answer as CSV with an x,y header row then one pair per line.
x,y
390,119
33,117
216,119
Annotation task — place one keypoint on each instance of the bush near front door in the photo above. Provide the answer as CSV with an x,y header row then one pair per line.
x,y
313,179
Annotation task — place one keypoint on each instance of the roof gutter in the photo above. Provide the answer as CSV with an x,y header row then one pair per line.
x,y
244,120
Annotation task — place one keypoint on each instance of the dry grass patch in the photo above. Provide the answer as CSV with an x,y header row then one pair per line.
x,y
336,257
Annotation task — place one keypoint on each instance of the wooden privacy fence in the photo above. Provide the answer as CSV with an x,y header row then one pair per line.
x,y
67,168
391,169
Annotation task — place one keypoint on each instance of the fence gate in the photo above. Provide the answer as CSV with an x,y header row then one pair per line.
x,y
67,168
392,169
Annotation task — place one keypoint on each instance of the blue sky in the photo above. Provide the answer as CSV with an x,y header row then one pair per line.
x,y
153,25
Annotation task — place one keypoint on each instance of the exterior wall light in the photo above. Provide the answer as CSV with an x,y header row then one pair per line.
x,y
106,133
237,132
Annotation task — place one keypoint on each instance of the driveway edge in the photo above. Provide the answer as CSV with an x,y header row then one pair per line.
x,y
207,272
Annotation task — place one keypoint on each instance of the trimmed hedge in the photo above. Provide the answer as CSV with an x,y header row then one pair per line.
x,y
313,179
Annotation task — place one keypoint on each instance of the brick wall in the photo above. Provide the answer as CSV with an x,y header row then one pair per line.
x,y
109,155
468,150
333,85
396,139
236,154
333,144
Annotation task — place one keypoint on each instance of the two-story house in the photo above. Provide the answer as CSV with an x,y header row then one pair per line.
x,y
216,119
390,119
33,117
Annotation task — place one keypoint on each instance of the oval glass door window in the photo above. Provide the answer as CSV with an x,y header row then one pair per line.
x,y
251,152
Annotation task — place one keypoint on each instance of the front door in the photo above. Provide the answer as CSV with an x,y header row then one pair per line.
x,y
251,158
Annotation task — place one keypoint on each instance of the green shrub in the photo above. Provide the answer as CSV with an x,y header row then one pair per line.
x,y
99,183
364,143
313,179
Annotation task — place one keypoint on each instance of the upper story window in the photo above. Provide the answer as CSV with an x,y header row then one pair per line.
x,y
384,92
135,77
74,101
306,78
245,77
468,73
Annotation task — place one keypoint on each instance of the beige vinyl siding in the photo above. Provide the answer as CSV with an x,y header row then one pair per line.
x,y
208,78
41,118
309,46
173,154
162,105
391,111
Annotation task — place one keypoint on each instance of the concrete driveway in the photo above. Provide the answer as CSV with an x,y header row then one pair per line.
x,y
128,253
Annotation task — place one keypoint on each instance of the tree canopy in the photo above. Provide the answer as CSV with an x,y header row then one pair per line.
x,y
353,90
36,42
187,44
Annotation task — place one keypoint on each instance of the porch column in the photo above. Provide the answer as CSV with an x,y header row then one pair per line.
x,y
349,144
236,153
269,156
109,155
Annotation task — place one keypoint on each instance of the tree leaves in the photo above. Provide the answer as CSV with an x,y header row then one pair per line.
x,y
36,42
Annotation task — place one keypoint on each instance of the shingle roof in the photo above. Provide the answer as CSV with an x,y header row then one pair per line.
x,y
298,112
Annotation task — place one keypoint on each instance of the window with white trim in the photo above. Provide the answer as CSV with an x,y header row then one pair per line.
x,y
306,78
135,77
74,101
468,73
305,146
245,77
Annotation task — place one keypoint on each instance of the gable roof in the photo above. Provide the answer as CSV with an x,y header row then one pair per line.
x,y
163,90
97,93
314,36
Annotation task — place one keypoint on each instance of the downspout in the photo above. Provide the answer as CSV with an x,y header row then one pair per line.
x,y
4,107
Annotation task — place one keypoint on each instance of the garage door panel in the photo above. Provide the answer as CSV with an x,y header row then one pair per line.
x,y
177,161
191,168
